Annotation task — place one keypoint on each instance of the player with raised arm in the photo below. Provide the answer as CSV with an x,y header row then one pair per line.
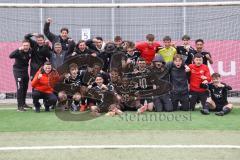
x,y
40,52
63,38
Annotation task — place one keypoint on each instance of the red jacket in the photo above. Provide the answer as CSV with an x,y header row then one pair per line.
x,y
45,83
195,77
147,51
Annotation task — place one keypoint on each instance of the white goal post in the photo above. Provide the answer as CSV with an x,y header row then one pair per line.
x,y
117,5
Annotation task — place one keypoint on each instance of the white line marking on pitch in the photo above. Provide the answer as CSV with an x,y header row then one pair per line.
x,y
121,147
8,108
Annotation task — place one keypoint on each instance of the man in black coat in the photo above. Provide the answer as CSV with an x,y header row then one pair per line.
x,y
40,52
96,44
22,55
63,38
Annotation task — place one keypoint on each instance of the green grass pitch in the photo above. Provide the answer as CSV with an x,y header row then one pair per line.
x,y
151,128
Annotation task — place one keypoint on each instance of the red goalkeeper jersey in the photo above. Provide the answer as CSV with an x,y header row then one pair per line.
x,y
195,77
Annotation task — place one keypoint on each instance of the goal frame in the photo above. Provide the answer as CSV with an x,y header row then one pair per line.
x,y
118,5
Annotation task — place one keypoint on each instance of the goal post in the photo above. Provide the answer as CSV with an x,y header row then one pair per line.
x,y
117,5
217,23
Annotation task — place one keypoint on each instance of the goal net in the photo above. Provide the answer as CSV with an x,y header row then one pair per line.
x,y
217,25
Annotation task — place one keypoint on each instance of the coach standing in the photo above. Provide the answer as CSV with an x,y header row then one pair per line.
x,y
22,56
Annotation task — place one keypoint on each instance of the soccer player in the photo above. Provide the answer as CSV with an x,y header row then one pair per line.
x,y
143,83
199,74
128,97
115,79
168,51
148,48
74,80
119,43
112,108
110,50
81,49
89,75
199,44
63,38
186,51
218,97
162,102
42,88
96,44
40,52
179,80
22,55
131,57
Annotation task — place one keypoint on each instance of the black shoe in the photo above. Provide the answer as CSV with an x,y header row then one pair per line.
x,y
21,109
37,110
27,106
205,111
221,113
47,109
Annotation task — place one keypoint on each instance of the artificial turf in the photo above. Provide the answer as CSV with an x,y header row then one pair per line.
x,y
13,121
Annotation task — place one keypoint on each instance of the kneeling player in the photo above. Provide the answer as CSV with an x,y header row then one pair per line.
x,y
101,92
179,80
128,98
73,80
142,74
159,69
218,101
